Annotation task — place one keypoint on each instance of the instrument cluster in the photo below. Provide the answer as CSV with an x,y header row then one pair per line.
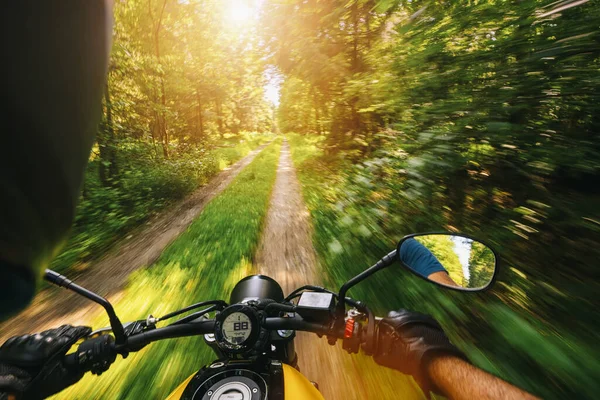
x,y
237,329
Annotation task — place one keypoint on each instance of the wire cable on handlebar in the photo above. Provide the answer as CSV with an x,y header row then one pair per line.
x,y
279,308
137,342
370,339
298,291
220,303
195,315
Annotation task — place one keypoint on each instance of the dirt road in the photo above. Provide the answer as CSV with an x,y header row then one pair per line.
x,y
54,306
286,254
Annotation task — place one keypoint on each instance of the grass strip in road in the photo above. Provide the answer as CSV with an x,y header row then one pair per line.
x,y
107,214
321,188
355,224
204,263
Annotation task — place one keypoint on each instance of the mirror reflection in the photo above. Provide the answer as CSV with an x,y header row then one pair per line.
x,y
450,260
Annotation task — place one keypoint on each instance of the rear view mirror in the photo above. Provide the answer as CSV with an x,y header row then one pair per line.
x,y
451,260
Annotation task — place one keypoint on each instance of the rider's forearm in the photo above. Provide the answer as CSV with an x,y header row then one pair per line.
x,y
457,379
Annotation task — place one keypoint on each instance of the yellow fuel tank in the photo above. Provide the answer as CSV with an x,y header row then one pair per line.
x,y
295,385
177,393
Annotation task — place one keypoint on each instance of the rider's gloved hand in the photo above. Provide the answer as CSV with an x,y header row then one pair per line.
x,y
31,366
408,340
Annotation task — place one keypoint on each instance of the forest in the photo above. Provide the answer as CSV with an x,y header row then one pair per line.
x,y
402,116
479,117
182,101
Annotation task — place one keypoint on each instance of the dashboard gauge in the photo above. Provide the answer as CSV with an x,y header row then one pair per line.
x,y
237,328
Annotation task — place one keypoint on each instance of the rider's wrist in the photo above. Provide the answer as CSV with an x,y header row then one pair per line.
x,y
434,366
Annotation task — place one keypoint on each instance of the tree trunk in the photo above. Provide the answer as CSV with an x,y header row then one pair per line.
x,y
161,120
368,29
164,131
106,142
152,126
355,37
200,127
355,118
219,116
317,112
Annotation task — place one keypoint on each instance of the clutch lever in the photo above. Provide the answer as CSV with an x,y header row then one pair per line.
x,y
130,328
100,331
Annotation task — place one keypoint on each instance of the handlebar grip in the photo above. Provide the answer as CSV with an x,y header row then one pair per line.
x,y
71,360
95,355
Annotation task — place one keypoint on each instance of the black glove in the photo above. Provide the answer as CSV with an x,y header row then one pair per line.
x,y
31,366
408,340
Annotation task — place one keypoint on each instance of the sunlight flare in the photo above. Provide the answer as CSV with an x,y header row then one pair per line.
x,y
240,11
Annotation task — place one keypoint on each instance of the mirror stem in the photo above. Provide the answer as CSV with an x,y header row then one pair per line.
x,y
116,325
385,262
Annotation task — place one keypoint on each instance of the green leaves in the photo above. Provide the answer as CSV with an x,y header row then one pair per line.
x,y
143,187
202,264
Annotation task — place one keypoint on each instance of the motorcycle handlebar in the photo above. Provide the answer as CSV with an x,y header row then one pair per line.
x,y
98,353
140,340
297,323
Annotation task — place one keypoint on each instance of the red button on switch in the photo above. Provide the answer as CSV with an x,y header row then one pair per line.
x,y
349,331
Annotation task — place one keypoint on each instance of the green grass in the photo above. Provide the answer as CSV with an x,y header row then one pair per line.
x,y
340,245
204,263
107,214
355,224
241,145
340,232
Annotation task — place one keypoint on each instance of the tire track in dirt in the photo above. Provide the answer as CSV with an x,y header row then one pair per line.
x,y
287,255
108,276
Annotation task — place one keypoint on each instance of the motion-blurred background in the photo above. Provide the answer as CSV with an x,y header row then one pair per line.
x,y
403,116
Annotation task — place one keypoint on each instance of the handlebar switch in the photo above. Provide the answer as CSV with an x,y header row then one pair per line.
x,y
95,355
315,306
351,342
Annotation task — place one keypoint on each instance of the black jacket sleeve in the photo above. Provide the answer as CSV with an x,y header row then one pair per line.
x,y
52,73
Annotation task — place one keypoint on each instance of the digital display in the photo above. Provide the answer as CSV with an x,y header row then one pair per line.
x,y
240,326
237,328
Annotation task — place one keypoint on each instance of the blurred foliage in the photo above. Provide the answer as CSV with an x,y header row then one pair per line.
x,y
183,100
411,116
480,117
443,249
481,265
515,330
477,268
204,263
143,187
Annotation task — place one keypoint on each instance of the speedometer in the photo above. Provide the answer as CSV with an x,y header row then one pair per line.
x,y
237,328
